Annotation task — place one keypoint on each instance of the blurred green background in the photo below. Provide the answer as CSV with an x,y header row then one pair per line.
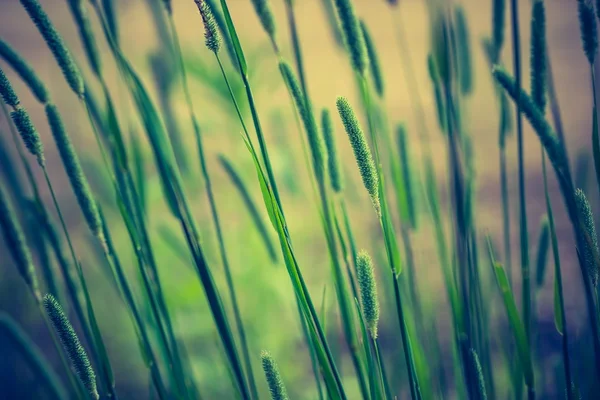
x,y
265,294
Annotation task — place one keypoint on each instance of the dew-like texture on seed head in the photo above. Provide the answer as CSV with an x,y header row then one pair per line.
x,y
56,45
498,27
274,381
25,71
374,65
352,35
71,344
587,218
538,55
589,29
7,92
463,43
16,244
315,141
265,15
29,134
477,370
333,158
211,33
74,172
362,153
86,33
368,291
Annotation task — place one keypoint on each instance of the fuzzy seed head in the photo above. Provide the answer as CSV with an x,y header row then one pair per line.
x,y
71,344
76,176
588,28
25,71
16,243
211,32
276,386
538,55
368,291
374,66
56,45
7,92
29,134
534,115
333,159
590,252
315,141
498,27
86,33
361,149
263,10
352,35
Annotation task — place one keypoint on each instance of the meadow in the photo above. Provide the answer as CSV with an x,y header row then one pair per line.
x,y
294,199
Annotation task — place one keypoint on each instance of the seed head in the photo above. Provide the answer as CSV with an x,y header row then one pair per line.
x,y
538,55
29,134
265,15
590,252
374,66
362,153
86,34
276,386
588,28
76,176
56,45
7,92
211,33
71,344
25,71
352,35
534,115
333,159
16,244
368,291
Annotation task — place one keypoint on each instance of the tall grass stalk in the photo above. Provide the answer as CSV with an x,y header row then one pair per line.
x,y
559,303
273,205
213,210
523,233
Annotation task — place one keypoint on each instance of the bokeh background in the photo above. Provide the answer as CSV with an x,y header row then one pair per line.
x,y
263,287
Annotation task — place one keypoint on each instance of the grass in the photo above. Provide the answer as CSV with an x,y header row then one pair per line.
x,y
352,324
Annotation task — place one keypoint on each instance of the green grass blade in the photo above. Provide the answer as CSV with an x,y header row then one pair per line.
x,y
14,335
516,324
234,38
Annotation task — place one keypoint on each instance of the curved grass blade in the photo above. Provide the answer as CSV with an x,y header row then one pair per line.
x,y
516,324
